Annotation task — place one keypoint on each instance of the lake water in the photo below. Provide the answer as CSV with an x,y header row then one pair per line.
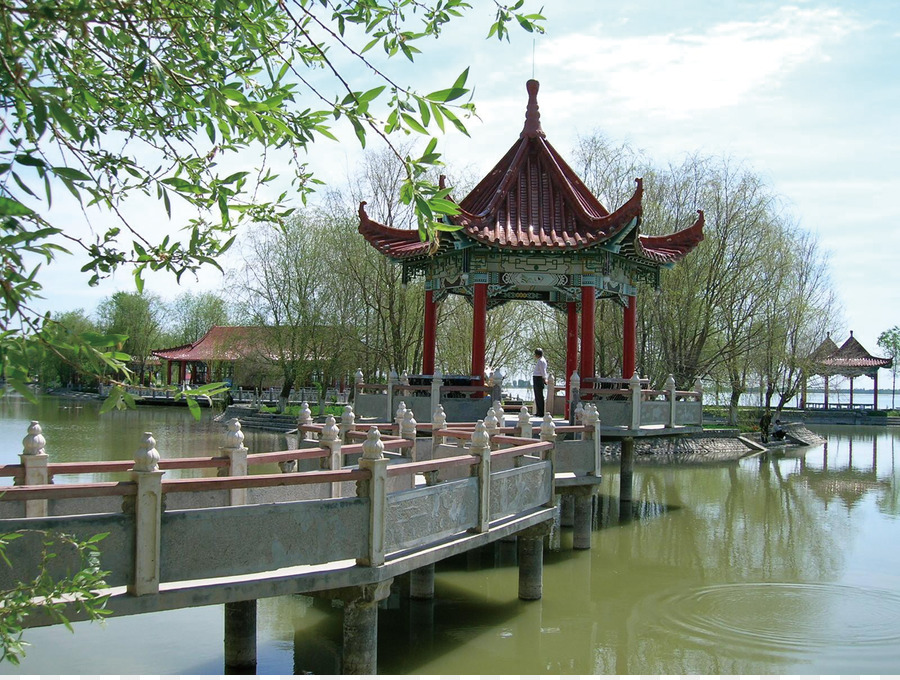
x,y
781,564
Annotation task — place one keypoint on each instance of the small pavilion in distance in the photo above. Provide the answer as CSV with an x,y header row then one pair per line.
x,y
531,230
850,360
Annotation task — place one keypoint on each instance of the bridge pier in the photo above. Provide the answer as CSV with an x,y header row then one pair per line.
x,y
360,628
421,583
627,471
567,511
584,506
530,546
240,638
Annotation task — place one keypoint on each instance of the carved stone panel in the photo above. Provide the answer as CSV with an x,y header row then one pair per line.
x,y
424,515
520,489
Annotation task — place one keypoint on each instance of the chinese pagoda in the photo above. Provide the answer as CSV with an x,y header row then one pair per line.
x,y
531,230
850,360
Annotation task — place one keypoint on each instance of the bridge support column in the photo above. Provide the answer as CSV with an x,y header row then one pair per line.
x,y
584,506
240,638
530,546
360,655
567,510
421,583
626,474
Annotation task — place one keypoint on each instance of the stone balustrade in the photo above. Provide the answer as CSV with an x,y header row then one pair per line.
x,y
631,405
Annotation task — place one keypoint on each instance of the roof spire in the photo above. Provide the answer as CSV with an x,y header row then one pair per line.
x,y
532,114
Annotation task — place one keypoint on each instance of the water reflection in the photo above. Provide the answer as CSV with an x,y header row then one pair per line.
x,y
784,563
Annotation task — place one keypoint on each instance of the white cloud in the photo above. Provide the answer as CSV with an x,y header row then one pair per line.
x,y
681,73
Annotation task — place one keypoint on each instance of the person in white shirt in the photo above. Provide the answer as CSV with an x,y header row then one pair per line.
x,y
539,376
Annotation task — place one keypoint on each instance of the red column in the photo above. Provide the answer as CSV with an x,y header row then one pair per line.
x,y
851,393
430,334
875,397
168,372
479,328
629,338
826,392
571,346
587,332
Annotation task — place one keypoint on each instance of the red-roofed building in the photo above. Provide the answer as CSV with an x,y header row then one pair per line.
x,y
531,230
222,347
850,360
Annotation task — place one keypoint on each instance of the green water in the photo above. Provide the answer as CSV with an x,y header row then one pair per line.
x,y
784,564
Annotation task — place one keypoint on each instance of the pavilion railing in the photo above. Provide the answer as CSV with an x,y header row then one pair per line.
x,y
463,397
630,404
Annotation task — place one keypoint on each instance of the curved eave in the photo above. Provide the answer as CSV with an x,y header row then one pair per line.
x,y
672,248
172,353
397,244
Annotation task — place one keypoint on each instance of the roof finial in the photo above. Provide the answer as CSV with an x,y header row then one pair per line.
x,y
532,114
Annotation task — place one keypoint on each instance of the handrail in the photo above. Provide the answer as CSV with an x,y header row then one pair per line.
x,y
264,481
106,466
535,447
59,491
428,465
12,470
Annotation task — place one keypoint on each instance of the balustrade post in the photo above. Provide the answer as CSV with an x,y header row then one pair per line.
x,y
331,440
408,430
497,389
375,489
524,423
437,382
550,401
236,453
438,422
499,412
399,415
404,378
34,461
574,396
548,434
698,388
635,385
481,448
148,517
592,421
670,388
358,381
579,414
348,422
392,380
490,423
303,418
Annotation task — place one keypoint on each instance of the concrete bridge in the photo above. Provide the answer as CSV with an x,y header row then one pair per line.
x,y
374,502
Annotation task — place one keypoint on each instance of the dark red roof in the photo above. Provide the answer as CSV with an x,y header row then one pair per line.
x,y
221,343
532,200
853,359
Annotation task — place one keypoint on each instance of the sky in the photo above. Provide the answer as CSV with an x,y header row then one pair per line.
x,y
805,93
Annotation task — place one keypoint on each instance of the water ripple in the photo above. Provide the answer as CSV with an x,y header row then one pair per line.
x,y
783,619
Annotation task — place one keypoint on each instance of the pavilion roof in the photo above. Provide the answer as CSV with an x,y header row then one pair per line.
x,y
221,343
533,201
852,359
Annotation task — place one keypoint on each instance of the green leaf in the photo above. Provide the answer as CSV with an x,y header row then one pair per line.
x,y
413,123
12,208
64,120
71,173
360,131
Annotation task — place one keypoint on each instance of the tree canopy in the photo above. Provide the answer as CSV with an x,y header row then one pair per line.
x,y
112,100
